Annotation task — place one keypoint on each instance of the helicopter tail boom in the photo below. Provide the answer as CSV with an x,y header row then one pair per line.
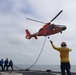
x,y
29,36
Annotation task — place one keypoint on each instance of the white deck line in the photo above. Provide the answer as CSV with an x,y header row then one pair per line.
x,y
56,73
7,73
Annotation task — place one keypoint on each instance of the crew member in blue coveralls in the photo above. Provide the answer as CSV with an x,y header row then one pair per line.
x,y
1,64
6,64
10,64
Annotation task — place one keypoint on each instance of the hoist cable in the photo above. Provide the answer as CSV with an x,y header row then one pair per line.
x,y
38,55
36,59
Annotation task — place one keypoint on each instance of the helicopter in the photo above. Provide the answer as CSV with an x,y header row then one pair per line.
x,y
47,29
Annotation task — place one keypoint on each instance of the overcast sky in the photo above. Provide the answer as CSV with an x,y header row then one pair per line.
x,y
13,22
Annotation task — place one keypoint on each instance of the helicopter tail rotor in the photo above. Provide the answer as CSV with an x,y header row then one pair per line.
x,y
28,35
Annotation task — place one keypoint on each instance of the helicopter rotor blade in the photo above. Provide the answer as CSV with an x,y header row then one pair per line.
x,y
44,22
35,20
56,15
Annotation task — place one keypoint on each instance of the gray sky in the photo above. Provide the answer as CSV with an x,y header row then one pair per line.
x,y
15,46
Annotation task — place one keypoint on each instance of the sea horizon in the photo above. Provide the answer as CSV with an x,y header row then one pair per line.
x,y
43,67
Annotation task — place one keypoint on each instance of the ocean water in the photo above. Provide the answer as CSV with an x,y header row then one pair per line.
x,y
44,67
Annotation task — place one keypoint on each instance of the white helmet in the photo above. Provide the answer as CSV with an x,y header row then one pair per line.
x,y
63,44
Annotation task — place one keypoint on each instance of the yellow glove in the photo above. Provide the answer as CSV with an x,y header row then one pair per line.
x,y
51,41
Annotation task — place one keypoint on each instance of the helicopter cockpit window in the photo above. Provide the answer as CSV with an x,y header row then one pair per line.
x,y
40,29
52,27
59,25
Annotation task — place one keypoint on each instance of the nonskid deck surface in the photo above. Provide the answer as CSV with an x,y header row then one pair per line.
x,y
30,73
10,73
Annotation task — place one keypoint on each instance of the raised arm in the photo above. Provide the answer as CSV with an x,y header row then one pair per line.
x,y
56,48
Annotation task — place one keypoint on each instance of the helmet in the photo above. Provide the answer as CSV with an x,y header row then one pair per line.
x,y
63,44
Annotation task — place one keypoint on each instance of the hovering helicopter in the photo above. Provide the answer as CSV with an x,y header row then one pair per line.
x,y
47,29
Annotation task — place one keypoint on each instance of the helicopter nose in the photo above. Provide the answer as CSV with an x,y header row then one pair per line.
x,y
63,28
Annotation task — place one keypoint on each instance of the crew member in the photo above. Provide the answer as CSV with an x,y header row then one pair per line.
x,y
64,57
